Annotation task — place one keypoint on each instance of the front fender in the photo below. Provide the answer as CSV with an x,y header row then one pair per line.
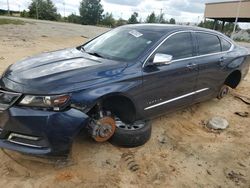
x,y
88,98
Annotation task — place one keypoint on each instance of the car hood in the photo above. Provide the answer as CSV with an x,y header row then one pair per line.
x,y
59,71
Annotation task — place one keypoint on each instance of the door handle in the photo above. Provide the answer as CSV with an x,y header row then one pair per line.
x,y
191,66
222,59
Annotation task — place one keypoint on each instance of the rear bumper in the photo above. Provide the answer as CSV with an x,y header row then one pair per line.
x,y
40,132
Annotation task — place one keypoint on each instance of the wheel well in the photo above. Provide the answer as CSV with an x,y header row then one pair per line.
x,y
233,79
118,105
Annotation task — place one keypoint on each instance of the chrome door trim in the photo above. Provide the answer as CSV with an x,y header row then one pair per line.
x,y
177,98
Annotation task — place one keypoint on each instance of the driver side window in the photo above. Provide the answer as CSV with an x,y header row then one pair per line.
x,y
179,46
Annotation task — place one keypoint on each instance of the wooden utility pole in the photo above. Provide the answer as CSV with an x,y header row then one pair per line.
x,y
37,9
8,5
64,8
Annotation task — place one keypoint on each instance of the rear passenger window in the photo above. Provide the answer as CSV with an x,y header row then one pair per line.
x,y
179,46
225,45
208,43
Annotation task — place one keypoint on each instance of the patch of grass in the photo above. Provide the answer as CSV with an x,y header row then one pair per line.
x,y
4,21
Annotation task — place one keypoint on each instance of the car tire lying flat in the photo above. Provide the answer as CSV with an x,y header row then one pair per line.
x,y
133,135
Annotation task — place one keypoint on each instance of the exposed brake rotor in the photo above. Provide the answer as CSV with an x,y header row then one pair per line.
x,y
104,129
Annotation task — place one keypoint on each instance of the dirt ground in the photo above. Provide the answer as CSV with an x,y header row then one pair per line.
x,y
181,152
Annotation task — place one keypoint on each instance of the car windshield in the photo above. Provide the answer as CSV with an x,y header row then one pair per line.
x,y
122,43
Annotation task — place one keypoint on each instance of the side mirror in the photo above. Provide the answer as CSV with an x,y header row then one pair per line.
x,y
162,59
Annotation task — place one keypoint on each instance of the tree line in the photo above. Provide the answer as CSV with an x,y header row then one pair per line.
x,y
227,29
91,13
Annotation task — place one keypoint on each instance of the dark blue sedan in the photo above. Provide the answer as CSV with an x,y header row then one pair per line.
x,y
112,85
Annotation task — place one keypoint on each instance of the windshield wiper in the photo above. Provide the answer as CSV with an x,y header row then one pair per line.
x,y
83,49
94,54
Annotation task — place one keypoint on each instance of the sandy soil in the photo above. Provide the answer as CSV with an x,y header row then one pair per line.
x,y
181,152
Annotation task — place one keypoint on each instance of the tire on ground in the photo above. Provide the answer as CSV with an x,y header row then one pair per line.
x,y
132,138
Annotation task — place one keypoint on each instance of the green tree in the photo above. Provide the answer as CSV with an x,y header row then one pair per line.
x,y
121,22
24,14
91,12
108,20
151,18
44,9
207,24
161,19
74,19
133,18
172,21
59,17
228,27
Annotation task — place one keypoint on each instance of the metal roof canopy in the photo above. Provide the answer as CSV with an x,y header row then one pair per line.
x,y
227,11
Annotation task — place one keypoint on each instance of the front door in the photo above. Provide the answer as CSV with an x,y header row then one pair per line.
x,y
170,86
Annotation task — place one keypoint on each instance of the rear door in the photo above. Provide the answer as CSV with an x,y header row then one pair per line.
x,y
211,56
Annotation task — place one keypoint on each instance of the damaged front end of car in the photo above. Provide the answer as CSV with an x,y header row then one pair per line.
x,y
39,130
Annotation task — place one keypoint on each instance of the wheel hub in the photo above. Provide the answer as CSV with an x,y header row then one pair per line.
x,y
224,92
103,129
125,126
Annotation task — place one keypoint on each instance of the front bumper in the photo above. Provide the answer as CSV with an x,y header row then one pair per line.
x,y
40,132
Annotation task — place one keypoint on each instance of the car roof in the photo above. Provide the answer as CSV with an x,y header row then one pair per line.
x,y
169,28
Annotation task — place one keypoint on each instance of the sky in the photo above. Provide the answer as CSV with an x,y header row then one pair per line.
x,y
181,10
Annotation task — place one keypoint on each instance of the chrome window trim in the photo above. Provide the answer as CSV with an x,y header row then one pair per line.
x,y
205,55
176,98
197,56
